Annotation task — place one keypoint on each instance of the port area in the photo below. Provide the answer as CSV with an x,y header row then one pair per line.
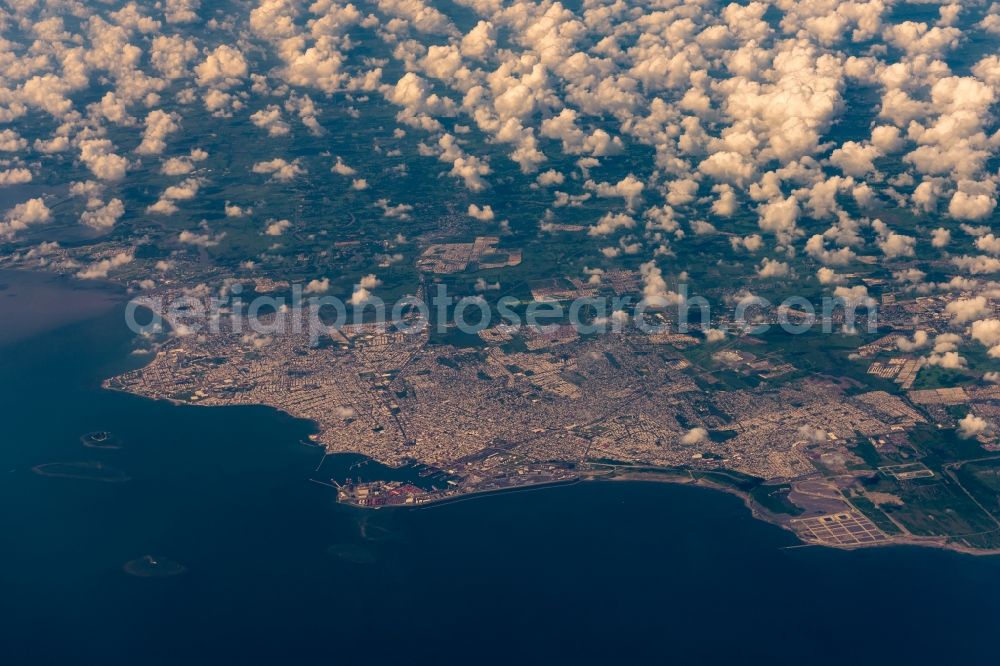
x,y
380,493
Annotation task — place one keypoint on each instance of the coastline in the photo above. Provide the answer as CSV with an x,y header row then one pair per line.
x,y
646,474
597,471
683,477
761,514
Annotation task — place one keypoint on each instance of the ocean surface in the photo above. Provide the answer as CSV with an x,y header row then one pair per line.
x,y
268,568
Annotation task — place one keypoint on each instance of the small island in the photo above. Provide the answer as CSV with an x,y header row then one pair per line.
x,y
101,439
153,566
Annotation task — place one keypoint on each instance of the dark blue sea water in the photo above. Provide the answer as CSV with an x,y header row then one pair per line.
x,y
277,572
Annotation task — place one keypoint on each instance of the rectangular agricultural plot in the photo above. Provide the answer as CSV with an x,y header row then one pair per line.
x,y
982,480
907,471
940,509
847,528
